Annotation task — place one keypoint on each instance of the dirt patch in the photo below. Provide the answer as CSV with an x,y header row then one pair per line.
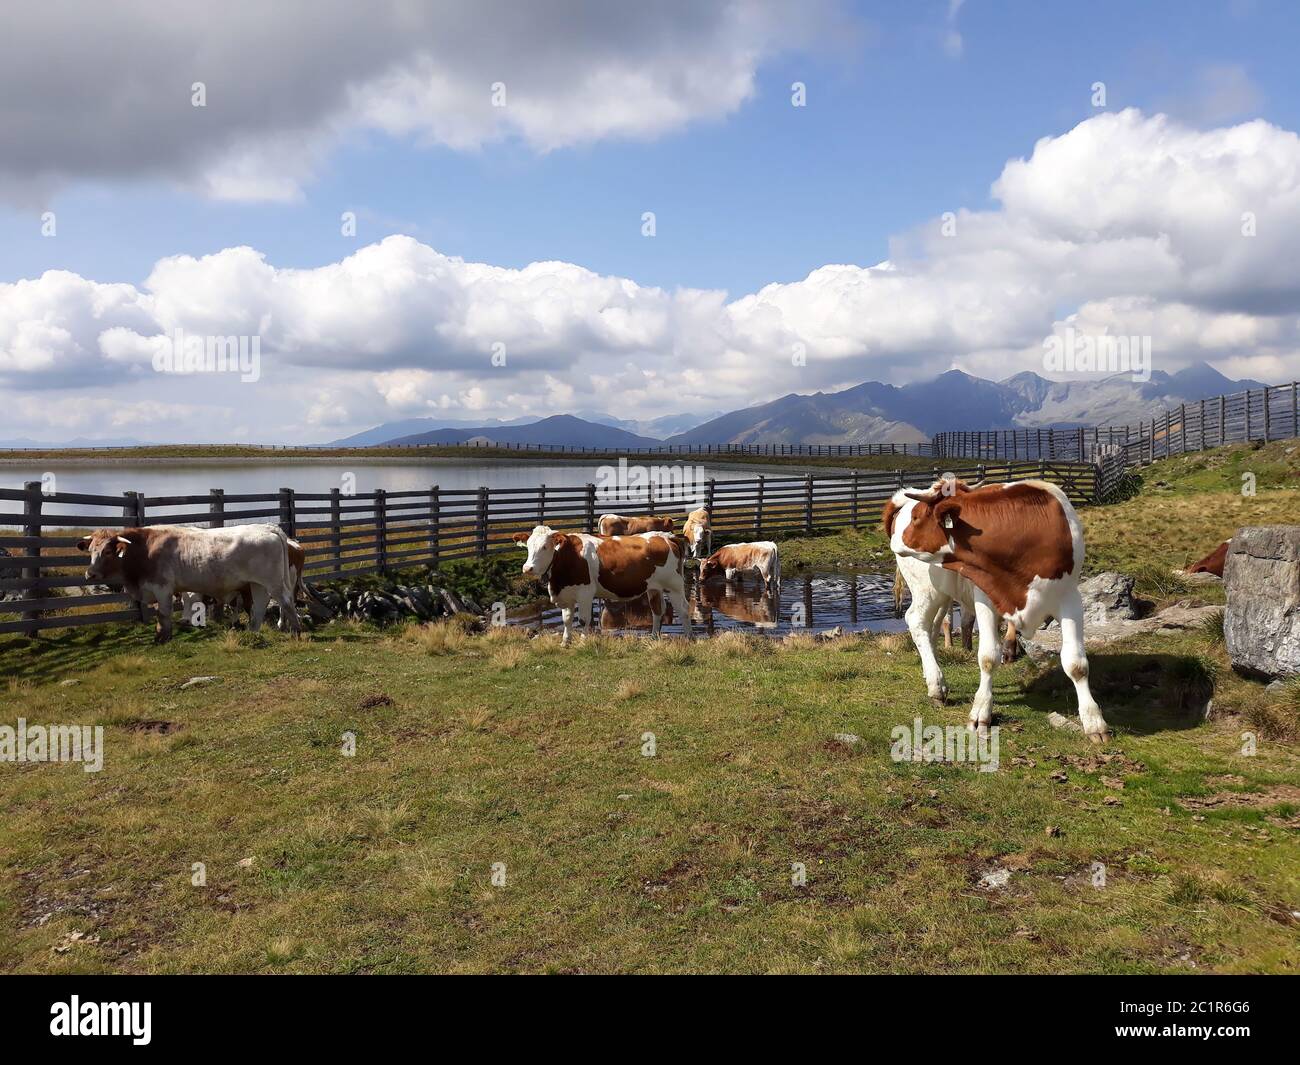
x,y
155,728
1249,800
375,699
1112,761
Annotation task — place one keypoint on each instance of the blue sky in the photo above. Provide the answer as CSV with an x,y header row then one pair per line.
x,y
912,110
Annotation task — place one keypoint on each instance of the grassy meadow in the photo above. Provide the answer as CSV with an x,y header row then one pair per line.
x,y
647,806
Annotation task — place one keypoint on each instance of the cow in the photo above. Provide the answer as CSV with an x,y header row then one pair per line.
x,y
618,525
1020,545
698,531
921,584
761,556
1213,562
578,567
156,562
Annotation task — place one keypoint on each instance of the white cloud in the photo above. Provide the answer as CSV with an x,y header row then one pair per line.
x,y
1127,223
104,91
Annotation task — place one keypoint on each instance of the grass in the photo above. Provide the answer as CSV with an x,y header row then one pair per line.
x,y
496,754
474,750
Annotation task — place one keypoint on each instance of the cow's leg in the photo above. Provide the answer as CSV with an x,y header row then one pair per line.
x,y
566,615
967,626
920,623
945,625
1074,660
981,714
289,614
163,598
255,614
1010,645
656,603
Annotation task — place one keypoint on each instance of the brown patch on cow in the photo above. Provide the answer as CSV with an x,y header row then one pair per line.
x,y
129,562
521,537
615,525
1003,536
887,517
1213,562
568,568
626,565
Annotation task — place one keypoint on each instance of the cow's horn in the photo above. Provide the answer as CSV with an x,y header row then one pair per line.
x,y
921,497
123,540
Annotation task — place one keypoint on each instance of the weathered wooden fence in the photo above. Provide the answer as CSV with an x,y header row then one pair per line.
x,y
1271,413
41,571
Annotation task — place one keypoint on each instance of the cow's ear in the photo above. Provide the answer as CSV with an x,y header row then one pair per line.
x,y
887,517
947,512
83,544
520,538
122,544
558,538
670,525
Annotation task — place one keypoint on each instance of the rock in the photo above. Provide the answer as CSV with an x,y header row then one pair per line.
x,y
847,738
994,879
1182,615
1107,597
1274,686
194,682
245,863
831,634
1261,626
1069,724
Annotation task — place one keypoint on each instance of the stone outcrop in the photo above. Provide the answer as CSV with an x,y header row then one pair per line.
x,y
1261,625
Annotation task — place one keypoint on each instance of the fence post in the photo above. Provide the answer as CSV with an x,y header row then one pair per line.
x,y
650,497
808,505
287,522
133,515
708,498
758,508
1295,429
1201,447
541,504
381,529
336,529
216,508
589,521
1266,418
482,520
435,530
1222,421
32,574
1248,415
853,514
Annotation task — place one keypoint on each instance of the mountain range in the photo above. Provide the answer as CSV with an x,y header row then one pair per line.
x,y
871,412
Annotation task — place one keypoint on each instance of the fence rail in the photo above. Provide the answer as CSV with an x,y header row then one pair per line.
x,y
381,531
1271,413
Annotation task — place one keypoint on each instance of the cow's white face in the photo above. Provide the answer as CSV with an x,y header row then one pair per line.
x,y
106,549
918,531
540,545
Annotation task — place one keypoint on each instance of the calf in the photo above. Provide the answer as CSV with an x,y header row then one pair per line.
x,y
761,557
1021,546
1213,562
155,563
618,525
578,567
698,531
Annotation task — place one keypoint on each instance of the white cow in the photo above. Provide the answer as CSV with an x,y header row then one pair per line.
x,y
155,563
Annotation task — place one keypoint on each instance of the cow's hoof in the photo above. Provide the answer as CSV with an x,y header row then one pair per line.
x,y
980,728
1099,737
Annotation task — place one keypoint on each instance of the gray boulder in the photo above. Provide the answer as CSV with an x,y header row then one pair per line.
x,y
1261,625
1107,597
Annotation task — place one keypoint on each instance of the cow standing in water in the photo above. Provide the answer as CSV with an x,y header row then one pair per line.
x,y
578,567
698,531
1021,546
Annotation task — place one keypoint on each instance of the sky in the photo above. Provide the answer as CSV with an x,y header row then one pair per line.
x,y
639,209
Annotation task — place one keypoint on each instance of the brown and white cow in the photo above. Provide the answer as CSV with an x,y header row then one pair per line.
x,y
1021,546
578,567
698,531
761,557
155,563
1213,562
618,525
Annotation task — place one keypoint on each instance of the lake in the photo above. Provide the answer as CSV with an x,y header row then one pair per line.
x,y
172,477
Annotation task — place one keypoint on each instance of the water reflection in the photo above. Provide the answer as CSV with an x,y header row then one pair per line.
x,y
811,602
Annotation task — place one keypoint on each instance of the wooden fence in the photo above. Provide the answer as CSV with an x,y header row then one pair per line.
x,y
1271,413
381,531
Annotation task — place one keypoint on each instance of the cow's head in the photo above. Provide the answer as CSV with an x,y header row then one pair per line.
x,y
106,548
711,567
696,531
920,524
541,545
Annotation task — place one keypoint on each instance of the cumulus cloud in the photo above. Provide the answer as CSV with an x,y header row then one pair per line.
x,y
1127,224
105,91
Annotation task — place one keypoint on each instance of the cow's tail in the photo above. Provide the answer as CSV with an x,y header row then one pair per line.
x,y
299,586
899,585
